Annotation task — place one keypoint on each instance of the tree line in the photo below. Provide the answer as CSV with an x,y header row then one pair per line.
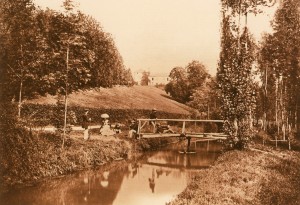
x,y
273,99
243,100
194,86
45,51
279,65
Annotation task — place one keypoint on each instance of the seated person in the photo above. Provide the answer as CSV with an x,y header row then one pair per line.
x,y
153,116
117,128
133,129
163,128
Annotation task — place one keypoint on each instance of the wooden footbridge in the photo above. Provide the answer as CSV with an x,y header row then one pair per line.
x,y
181,128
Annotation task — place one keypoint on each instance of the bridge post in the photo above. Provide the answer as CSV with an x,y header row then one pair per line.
x,y
207,148
188,144
183,127
139,129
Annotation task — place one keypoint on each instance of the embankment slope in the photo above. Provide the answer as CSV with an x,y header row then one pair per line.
x,y
136,97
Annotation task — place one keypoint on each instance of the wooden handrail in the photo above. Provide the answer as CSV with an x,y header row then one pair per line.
x,y
180,120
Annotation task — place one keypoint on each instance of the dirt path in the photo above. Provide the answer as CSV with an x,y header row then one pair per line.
x,y
77,133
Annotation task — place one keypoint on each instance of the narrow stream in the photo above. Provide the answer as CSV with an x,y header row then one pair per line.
x,y
155,179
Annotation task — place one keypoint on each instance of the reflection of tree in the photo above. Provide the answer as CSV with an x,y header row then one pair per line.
x,y
82,188
172,159
105,187
152,181
159,172
135,168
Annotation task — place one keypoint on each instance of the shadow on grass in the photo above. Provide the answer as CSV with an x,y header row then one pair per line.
x,y
167,96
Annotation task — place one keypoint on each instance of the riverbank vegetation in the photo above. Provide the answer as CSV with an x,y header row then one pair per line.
x,y
261,175
54,54
28,156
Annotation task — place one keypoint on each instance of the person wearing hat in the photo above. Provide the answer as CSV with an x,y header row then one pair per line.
x,y
85,124
153,116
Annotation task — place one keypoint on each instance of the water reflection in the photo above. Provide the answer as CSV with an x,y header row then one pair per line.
x,y
152,181
155,179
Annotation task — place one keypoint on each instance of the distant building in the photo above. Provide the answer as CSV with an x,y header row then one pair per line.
x,y
154,79
159,79
137,76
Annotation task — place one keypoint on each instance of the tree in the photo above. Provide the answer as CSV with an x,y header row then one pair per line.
x,y
196,74
145,78
72,42
279,66
17,47
126,78
235,74
205,99
178,86
184,81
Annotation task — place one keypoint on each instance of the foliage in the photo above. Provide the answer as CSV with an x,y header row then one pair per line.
x,y
178,87
196,74
206,100
47,114
184,81
280,69
242,7
34,45
17,48
235,78
30,156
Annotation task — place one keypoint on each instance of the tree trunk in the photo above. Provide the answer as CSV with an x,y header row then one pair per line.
x,y
265,101
20,99
276,105
66,98
282,108
296,116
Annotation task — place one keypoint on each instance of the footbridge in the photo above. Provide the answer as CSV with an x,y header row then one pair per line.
x,y
198,130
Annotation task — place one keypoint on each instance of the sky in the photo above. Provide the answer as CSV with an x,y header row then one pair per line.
x,y
158,35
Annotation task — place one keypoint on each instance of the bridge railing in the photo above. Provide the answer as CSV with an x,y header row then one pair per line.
x,y
177,127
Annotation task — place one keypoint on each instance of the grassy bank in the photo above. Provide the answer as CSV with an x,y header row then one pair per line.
x,y
120,98
27,157
43,115
257,176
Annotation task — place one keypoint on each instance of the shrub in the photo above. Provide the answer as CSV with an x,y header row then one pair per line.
x,y
47,114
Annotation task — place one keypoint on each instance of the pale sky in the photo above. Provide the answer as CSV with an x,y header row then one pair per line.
x,y
158,35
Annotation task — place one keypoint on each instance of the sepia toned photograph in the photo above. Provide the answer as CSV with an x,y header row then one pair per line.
x,y
149,102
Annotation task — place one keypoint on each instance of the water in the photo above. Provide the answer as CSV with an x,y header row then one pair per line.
x,y
155,179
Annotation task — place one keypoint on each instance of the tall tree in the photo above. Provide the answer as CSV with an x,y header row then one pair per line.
x,y
72,47
235,70
17,47
279,66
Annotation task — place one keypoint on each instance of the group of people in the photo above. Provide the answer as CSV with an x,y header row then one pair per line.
x,y
133,127
105,128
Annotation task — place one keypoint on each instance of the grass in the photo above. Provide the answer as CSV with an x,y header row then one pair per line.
x,y
136,97
246,177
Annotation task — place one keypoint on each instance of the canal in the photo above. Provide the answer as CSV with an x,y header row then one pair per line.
x,y
155,178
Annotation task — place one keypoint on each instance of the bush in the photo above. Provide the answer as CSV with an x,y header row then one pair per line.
x,y
27,156
47,114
